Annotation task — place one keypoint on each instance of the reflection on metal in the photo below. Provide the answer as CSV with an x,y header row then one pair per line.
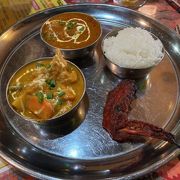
x,y
148,82
176,48
143,23
24,150
83,141
170,106
73,153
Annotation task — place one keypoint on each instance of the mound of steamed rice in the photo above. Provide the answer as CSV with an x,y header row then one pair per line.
x,y
133,48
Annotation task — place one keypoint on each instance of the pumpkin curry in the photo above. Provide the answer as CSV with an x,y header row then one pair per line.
x,y
46,88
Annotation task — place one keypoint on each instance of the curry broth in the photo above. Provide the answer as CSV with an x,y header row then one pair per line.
x,y
71,30
26,75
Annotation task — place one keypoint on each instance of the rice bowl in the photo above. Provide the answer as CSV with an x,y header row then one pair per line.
x,y
133,50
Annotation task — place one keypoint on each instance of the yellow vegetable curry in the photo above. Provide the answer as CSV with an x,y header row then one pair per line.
x,y
46,88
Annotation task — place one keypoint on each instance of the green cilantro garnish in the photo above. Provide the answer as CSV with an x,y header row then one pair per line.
x,y
59,102
48,66
61,93
81,29
40,97
49,95
51,83
50,36
38,65
70,25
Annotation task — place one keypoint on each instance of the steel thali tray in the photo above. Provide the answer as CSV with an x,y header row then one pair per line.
x,y
84,149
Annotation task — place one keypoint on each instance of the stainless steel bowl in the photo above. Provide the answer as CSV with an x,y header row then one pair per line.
x,y
124,72
55,120
76,53
71,54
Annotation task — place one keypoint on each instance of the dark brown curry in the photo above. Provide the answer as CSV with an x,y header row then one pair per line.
x,y
71,30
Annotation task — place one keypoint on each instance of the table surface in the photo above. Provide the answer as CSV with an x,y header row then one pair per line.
x,y
157,9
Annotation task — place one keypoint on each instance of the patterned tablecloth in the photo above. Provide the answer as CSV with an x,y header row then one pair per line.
x,y
17,9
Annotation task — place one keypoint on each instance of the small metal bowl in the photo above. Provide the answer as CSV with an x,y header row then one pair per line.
x,y
55,120
76,53
71,54
124,72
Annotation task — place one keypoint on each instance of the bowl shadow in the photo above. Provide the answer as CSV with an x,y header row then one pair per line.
x,y
69,123
85,61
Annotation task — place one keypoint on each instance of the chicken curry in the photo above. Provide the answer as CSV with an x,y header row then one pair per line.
x,y
71,30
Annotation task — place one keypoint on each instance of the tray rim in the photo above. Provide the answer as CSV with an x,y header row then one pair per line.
x,y
36,174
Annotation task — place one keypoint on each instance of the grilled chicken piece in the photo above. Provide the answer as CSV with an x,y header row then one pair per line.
x,y
115,116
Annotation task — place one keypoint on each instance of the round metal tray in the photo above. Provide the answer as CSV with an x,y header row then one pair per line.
x,y
83,148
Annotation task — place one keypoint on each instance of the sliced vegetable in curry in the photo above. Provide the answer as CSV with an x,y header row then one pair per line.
x,y
45,88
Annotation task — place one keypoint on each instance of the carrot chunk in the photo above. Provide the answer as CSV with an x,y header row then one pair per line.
x,y
42,110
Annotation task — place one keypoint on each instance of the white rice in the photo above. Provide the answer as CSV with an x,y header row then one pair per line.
x,y
133,48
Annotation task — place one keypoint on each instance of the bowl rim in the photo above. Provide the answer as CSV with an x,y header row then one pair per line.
x,y
72,49
131,68
54,118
